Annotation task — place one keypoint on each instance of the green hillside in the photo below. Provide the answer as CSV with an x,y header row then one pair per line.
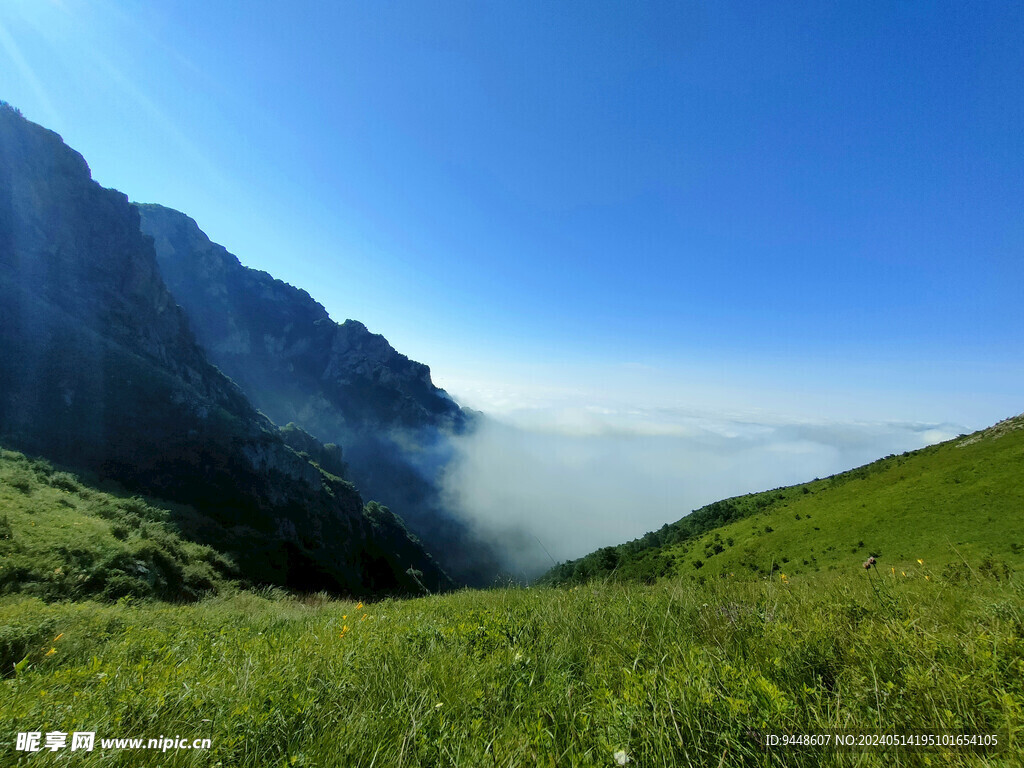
x,y
957,506
61,538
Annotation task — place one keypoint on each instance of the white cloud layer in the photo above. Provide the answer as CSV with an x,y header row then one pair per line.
x,y
562,475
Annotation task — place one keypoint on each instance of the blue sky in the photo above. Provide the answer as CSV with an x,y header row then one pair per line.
x,y
813,209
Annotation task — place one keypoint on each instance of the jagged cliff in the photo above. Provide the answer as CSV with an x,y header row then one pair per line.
x,y
340,382
281,346
101,371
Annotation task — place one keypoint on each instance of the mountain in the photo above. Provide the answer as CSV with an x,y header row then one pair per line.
x,y
102,372
340,382
956,506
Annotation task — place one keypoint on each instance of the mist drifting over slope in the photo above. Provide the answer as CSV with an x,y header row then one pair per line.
x,y
556,482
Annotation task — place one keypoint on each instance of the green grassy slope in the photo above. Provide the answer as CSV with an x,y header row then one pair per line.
x,y
672,674
957,506
62,539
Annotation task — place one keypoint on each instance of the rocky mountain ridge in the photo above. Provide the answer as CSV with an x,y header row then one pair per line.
x,y
101,371
338,381
266,334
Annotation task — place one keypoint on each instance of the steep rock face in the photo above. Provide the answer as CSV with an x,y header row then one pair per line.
x,y
101,371
338,381
274,339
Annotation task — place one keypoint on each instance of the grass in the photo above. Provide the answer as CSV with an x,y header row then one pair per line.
x,y
955,507
666,675
779,631
62,538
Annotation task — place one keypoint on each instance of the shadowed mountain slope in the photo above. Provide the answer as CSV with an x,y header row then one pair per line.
x,y
339,382
101,371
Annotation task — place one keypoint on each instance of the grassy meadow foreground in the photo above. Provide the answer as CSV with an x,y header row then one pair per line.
x,y
675,673
695,645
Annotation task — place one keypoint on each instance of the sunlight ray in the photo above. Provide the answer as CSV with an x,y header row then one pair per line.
x,y
10,47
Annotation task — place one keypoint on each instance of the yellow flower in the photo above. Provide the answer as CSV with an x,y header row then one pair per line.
x,y
927,577
364,617
893,569
920,561
904,573
359,606
58,637
344,616
51,652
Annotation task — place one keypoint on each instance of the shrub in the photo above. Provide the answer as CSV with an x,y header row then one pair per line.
x,y
21,479
64,481
19,637
994,568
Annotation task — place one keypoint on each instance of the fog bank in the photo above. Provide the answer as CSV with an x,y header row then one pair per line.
x,y
569,479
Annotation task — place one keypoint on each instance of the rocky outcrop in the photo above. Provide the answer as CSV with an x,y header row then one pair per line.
x,y
340,382
101,371
275,340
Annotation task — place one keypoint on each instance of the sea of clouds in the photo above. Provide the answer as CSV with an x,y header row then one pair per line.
x,y
554,478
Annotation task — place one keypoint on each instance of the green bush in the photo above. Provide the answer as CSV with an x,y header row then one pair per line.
x,y
65,482
20,478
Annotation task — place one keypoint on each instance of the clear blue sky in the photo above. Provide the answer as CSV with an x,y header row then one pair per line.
x,y
820,200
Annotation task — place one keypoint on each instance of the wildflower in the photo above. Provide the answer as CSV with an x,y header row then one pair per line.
x,y
904,574
871,559
920,561
867,565
51,652
927,577
784,578
365,617
344,616
438,705
621,757
58,637
893,569
358,607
